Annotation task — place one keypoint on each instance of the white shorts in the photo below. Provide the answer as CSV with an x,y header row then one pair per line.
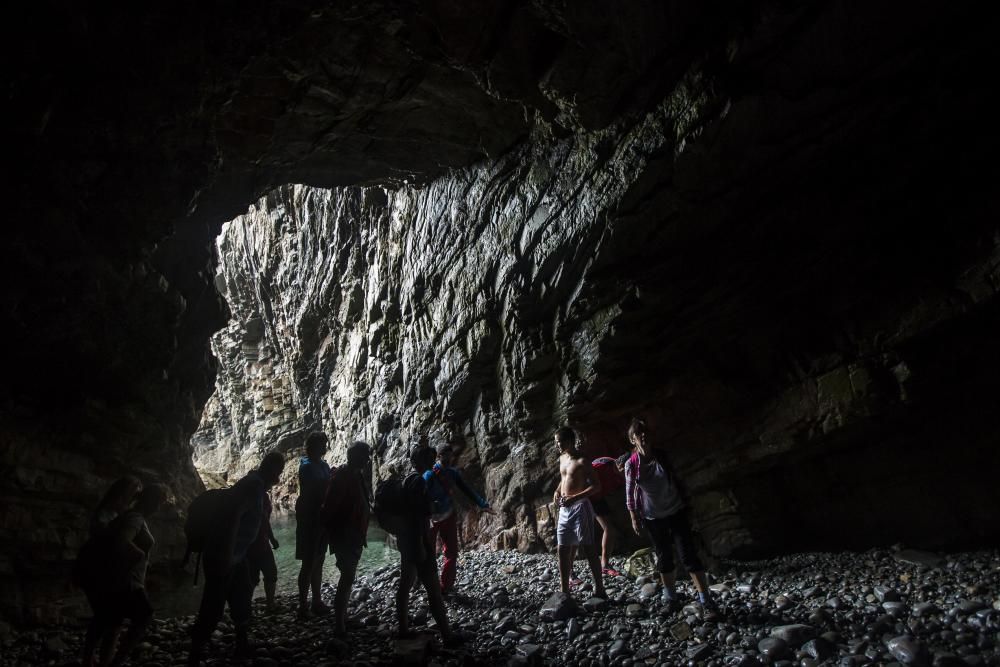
x,y
576,524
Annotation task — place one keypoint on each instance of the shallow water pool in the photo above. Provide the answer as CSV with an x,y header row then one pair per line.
x,y
178,597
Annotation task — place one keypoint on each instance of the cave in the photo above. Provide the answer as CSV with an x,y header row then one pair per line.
x,y
770,228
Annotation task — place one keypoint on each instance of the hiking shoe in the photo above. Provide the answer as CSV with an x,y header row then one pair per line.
x,y
670,601
319,610
710,611
244,648
610,572
454,639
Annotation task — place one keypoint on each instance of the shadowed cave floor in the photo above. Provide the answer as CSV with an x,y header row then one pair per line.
x,y
878,607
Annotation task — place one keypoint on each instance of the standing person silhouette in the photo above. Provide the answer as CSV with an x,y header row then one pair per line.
x,y
575,528
442,479
416,551
91,572
224,559
310,535
133,543
346,510
261,557
654,500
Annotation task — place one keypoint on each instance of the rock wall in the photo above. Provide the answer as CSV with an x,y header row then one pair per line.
x,y
805,402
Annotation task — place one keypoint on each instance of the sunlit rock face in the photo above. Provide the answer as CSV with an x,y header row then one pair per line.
x,y
803,381
769,227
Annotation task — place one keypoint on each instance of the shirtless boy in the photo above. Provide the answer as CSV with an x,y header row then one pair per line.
x,y
576,515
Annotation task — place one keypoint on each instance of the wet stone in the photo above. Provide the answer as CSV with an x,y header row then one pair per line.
x,y
596,604
971,606
919,558
680,631
634,611
618,648
886,594
772,648
908,651
925,609
558,607
795,634
819,648
573,628
698,653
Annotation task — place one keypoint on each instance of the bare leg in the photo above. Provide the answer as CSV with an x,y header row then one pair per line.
x,y
565,565
429,578
136,631
700,581
595,570
109,643
407,575
305,572
606,539
316,583
344,586
269,591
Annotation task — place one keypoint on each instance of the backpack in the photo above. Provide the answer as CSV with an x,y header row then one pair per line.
x,y
391,507
203,519
640,563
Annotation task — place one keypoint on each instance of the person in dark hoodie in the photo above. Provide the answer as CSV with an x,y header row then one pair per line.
x,y
416,550
225,563
346,510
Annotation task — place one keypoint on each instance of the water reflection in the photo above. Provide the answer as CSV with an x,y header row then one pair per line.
x,y
179,598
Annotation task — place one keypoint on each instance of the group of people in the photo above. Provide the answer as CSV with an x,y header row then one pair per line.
x,y
332,514
333,510
655,503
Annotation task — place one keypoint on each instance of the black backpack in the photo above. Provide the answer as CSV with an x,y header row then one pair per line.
x,y
391,508
204,517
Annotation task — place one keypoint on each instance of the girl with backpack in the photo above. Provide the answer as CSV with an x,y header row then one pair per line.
x,y
654,500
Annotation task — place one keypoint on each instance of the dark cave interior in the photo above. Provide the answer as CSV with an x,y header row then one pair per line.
x,y
770,227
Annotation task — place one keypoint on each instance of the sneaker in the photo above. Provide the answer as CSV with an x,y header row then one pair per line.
x,y
670,601
244,648
610,572
709,610
453,640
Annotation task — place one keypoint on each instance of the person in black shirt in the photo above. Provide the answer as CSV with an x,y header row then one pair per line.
x,y
416,548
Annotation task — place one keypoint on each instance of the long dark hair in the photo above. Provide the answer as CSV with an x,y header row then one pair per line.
x,y
118,493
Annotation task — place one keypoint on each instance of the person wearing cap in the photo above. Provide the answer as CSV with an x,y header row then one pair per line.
x,y
442,480
346,510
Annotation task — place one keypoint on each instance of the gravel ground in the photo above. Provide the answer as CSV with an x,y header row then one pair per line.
x,y
880,607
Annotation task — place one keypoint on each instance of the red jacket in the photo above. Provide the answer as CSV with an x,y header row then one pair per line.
x,y
345,510
611,479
